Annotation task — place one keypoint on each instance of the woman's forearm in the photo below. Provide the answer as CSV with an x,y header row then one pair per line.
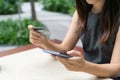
x,y
54,46
102,70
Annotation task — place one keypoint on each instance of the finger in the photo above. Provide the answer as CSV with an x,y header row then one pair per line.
x,y
61,59
32,31
76,58
30,27
34,37
64,62
33,41
35,33
74,53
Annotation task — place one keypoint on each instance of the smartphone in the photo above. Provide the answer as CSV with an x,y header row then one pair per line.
x,y
56,53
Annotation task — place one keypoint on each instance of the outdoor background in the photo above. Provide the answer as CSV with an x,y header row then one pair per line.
x,y
16,15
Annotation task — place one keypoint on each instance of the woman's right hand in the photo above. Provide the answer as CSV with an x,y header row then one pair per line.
x,y
36,38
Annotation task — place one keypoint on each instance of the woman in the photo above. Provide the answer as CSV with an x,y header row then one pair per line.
x,y
97,24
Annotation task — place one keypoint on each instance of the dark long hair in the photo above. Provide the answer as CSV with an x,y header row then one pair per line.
x,y
109,16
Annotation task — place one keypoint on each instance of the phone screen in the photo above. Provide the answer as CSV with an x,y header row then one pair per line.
x,y
56,53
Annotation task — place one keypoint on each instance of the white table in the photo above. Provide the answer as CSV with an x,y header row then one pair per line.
x,y
34,64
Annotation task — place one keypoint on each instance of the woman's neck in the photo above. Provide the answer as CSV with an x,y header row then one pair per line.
x,y
97,7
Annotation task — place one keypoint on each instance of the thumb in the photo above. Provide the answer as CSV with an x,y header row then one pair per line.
x,y
74,53
30,27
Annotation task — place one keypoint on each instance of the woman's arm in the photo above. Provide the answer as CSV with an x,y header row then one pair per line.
x,y
67,44
108,70
102,70
71,37
77,63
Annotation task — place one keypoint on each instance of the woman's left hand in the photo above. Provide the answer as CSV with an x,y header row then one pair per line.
x,y
75,63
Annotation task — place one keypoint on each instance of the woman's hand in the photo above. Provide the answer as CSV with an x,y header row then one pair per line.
x,y
36,38
75,63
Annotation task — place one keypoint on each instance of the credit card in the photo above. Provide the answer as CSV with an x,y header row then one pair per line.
x,y
41,30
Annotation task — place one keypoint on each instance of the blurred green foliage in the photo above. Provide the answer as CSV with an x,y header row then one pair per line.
x,y
13,34
28,0
1,2
8,6
64,6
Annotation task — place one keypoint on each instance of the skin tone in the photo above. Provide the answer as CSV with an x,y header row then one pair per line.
x,y
77,62
97,5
